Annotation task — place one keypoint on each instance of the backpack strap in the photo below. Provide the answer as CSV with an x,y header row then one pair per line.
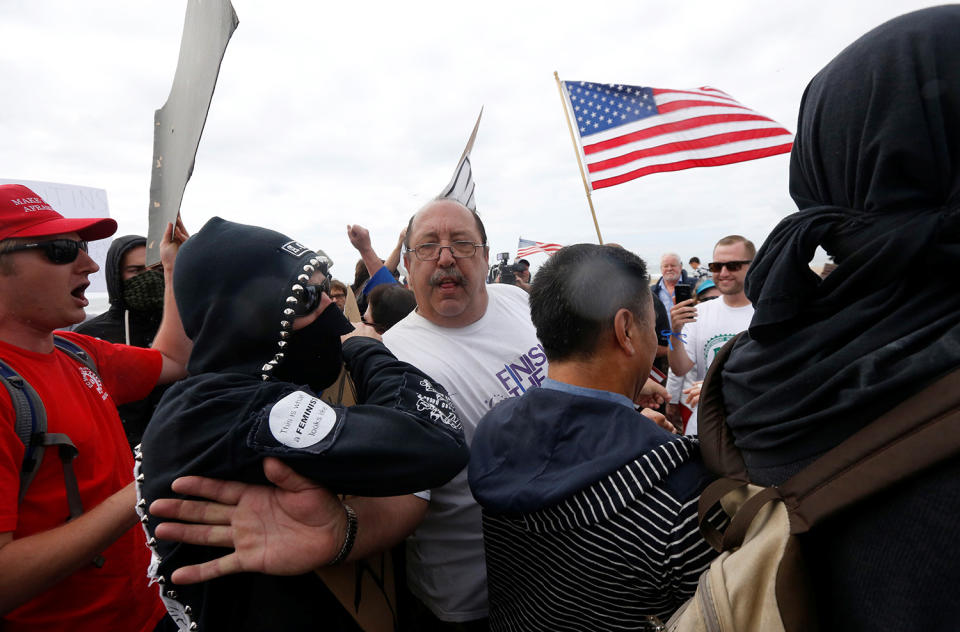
x,y
30,423
717,447
31,427
918,433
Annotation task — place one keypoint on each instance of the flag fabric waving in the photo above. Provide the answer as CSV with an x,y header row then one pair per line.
x,y
627,132
525,248
461,187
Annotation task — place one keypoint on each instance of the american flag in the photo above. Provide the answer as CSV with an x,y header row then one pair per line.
x,y
526,248
631,131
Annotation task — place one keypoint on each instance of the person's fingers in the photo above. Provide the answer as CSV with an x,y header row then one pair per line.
x,y
227,492
205,535
226,565
202,512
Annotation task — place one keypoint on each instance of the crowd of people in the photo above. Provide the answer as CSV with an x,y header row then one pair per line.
x,y
172,463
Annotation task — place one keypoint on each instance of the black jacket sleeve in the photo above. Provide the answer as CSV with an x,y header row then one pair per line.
x,y
405,436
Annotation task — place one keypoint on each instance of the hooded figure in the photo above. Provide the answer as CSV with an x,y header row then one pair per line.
x,y
136,308
266,340
875,172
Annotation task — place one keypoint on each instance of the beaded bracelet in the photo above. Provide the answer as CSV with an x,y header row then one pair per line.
x,y
350,538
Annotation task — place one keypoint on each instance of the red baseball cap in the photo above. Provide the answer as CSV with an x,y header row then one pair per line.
x,y
23,213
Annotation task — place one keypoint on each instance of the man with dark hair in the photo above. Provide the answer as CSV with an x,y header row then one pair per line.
x,y
338,292
699,273
589,508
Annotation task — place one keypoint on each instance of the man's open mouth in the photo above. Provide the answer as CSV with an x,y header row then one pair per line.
x,y
79,290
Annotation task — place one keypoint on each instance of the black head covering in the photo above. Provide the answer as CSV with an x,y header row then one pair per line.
x,y
875,171
232,283
112,268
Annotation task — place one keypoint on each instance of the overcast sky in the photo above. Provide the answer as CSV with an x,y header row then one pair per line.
x,y
334,113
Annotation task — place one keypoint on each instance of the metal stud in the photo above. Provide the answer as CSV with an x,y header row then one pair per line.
x,y
266,368
145,519
142,503
309,269
137,447
172,594
140,477
314,262
288,312
264,377
138,456
278,357
193,626
303,278
152,542
161,580
282,344
284,335
187,610
292,300
285,324
297,289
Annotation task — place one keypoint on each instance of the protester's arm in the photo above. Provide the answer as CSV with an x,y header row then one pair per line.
x,y
360,239
393,260
32,564
681,314
289,529
171,341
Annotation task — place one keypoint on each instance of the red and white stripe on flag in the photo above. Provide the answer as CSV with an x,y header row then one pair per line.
x,y
626,132
526,247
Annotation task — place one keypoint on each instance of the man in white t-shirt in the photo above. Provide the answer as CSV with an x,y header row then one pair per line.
x,y
478,341
699,332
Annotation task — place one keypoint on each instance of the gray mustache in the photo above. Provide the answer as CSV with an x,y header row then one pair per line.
x,y
449,273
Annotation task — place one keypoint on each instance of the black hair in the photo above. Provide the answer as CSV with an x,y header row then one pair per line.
x,y
389,304
694,260
578,292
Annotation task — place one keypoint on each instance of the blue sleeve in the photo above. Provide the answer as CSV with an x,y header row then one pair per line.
x,y
379,278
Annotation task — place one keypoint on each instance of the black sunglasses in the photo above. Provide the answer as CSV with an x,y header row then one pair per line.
x,y
732,266
59,251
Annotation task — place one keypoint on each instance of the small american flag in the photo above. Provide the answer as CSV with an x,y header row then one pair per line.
x,y
627,132
526,248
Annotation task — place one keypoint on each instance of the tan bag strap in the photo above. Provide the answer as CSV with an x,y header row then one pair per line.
x,y
710,496
918,433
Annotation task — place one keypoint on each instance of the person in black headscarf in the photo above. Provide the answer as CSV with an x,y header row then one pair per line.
x,y
136,307
266,339
875,172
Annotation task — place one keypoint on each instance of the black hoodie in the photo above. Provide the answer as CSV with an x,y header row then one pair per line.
x,y
236,292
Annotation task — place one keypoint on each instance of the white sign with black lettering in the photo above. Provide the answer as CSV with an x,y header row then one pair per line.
x,y
300,420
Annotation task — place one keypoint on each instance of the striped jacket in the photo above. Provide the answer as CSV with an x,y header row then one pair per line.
x,y
607,554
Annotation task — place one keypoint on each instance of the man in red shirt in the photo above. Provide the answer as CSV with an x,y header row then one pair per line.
x,y
48,579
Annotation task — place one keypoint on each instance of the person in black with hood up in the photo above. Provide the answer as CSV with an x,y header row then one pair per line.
x,y
266,339
875,172
136,307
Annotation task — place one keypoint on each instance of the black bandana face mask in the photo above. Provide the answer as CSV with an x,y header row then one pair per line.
x,y
144,292
313,354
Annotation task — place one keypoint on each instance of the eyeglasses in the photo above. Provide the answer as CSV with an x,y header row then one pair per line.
x,y
310,297
59,251
378,328
732,266
338,295
459,250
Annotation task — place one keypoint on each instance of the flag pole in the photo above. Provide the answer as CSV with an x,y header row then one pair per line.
x,y
576,148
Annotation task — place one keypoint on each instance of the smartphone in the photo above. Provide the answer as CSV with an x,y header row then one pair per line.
x,y
682,292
